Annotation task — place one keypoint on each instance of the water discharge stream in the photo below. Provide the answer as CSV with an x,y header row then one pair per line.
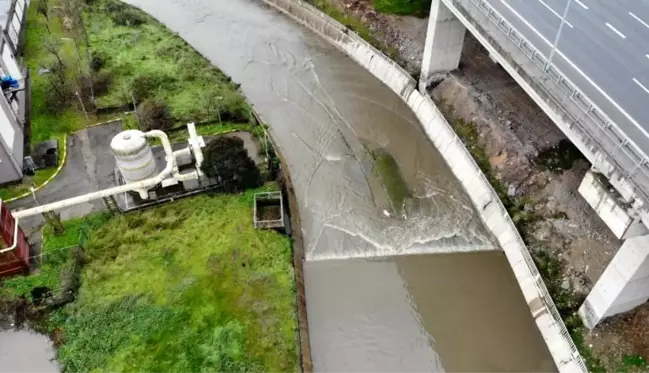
x,y
370,190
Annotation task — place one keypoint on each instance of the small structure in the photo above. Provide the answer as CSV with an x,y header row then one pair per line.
x,y
268,210
13,260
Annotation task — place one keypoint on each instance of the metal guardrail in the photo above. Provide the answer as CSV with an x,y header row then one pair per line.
x,y
579,111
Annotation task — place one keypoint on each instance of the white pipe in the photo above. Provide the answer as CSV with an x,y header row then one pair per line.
x,y
171,168
196,147
181,152
144,184
187,176
176,173
15,244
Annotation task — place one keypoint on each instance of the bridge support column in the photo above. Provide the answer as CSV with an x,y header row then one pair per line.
x,y
443,46
623,286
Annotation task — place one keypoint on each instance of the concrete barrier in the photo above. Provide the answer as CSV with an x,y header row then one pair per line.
x,y
492,212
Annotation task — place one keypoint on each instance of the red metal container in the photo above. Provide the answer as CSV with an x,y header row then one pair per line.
x,y
16,260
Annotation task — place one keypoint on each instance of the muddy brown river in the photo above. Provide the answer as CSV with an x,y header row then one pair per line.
x,y
378,205
380,210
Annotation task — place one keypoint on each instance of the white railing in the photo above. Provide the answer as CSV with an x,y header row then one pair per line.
x,y
579,111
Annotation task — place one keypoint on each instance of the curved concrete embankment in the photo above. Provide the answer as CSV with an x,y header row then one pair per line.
x,y
484,198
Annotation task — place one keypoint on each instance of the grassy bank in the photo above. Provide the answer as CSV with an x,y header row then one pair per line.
x,y
39,177
190,286
133,57
57,259
129,57
419,8
355,25
551,267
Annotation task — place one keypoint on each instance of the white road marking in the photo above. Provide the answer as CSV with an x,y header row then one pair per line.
x,y
554,12
616,31
578,70
639,20
647,55
581,4
640,84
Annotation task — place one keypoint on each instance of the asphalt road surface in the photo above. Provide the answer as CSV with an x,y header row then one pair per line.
x,y
603,48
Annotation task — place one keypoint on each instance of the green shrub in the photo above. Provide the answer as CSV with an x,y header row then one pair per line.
x,y
419,8
97,60
123,15
154,115
58,96
228,162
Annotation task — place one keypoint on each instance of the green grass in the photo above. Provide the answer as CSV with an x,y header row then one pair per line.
x,y
210,130
355,25
45,123
183,79
177,74
387,168
419,8
180,76
15,190
190,286
55,258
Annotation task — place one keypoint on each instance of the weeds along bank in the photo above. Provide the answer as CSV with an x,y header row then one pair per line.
x,y
92,60
189,286
115,56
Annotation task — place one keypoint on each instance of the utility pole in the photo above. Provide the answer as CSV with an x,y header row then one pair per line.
x,y
556,39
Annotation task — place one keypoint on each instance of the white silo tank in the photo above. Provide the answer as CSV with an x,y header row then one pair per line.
x,y
133,155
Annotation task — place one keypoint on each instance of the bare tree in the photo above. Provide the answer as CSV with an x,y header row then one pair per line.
x,y
42,7
73,12
53,48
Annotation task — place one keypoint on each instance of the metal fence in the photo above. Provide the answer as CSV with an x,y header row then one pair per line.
x,y
578,111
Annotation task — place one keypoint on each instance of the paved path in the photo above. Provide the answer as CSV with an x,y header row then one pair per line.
x,y
89,167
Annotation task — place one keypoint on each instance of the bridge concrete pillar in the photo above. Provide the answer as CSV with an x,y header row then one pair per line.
x,y
623,286
444,41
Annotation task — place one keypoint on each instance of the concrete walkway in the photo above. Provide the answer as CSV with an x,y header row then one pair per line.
x,y
89,167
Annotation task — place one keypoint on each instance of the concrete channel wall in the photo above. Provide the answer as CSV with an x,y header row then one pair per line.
x,y
484,198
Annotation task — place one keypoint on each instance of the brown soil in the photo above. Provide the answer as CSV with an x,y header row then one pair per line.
x,y
269,212
513,130
400,32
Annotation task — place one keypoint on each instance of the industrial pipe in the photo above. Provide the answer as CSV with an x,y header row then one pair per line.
x,y
168,170
15,244
171,168
194,147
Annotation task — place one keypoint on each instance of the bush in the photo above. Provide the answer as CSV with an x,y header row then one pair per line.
x,y
154,115
228,162
97,60
144,85
58,96
124,15
419,8
100,84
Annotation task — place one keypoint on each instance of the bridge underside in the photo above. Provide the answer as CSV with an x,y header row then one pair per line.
x,y
625,283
